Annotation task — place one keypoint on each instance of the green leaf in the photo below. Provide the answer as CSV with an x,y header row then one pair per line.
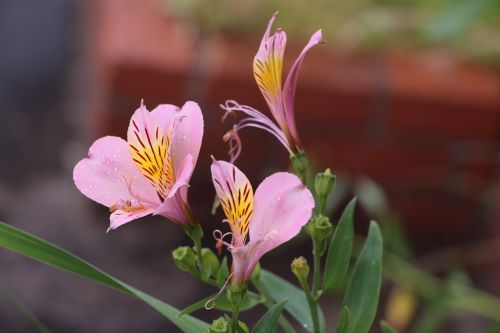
x,y
364,288
223,273
24,310
47,253
223,304
269,320
340,248
280,289
345,320
386,328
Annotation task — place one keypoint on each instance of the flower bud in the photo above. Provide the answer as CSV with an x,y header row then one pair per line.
x,y
319,227
185,259
300,164
300,268
324,184
220,325
210,262
235,294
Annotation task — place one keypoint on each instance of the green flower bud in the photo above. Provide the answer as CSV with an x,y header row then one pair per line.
x,y
300,164
300,268
319,227
210,262
185,259
324,184
220,325
236,293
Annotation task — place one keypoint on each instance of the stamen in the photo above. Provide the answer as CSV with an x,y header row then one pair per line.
x,y
234,141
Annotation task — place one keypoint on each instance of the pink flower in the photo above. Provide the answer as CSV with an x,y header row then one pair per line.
x,y
149,173
277,212
267,70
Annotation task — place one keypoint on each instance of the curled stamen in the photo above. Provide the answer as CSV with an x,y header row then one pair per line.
x,y
254,118
210,304
234,141
219,237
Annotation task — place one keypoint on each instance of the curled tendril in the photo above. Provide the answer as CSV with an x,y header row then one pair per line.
x,y
210,304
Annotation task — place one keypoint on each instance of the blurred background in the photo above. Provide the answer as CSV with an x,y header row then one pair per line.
x,y
402,102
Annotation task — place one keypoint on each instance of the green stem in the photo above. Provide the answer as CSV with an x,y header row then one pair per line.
x,y
313,305
234,319
317,267
268,302
322,206
195,232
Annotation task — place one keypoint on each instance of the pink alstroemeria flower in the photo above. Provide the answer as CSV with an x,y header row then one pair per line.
x,y
149,173
259,223
267,70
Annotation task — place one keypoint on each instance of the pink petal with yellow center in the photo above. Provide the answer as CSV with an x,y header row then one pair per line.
x,y
282,206
268,68
235,194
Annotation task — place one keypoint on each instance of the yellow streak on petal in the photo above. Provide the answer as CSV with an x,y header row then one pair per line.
x,y
238,207
151,153
268,75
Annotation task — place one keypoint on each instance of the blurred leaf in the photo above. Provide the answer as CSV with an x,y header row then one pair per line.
x,y
223,273
386,328
345,320
269,320
364,288
493,328
280,289
24,310
222,303
457,17
47,253
340,248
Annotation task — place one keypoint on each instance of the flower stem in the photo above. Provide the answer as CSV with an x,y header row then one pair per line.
x,y
317,267
195,232
234,319
313,305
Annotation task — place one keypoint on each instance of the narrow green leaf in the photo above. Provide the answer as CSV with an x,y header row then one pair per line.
x,y
223,273
345,320
364,288
280,289
47,253
269,320
24,309
223,304
386,327
340,248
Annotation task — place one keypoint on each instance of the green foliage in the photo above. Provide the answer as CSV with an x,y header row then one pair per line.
x,y
269,321
223,304
340,248
364,287
297,306
47,253
386,328
345,321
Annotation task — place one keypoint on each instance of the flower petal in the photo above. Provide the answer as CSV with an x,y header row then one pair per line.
x,y
282,206
236,197
188,134
268,68
121,217
149,145
109,176
291,84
